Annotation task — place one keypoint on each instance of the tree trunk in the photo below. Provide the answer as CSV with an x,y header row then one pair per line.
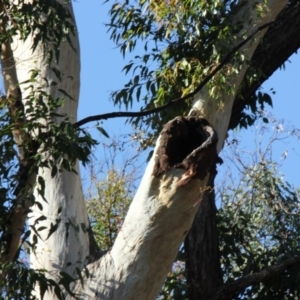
x,y
169,195
203,268
68,247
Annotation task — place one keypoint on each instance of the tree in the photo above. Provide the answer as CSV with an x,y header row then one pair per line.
x,y
257,221
111,189
205,59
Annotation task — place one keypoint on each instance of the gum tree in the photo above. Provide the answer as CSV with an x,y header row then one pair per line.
x,y
209,64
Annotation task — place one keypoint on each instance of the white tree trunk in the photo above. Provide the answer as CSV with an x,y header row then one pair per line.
x,y
64,191
161,212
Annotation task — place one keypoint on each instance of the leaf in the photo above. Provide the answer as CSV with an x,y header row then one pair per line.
x,y
267,98
136,79
102,131
265,120
41,218
25,236
153,89
66,94
80,276
127,68
54,171
52,229
57,292
138,93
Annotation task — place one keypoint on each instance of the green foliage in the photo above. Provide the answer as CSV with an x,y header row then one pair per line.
x,y
50,21
259,227
255,108
175,286
56,146
53,132
258,224
109,196
107,208
20,281
179,42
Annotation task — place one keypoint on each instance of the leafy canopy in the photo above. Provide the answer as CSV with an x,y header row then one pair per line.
x,y
179,41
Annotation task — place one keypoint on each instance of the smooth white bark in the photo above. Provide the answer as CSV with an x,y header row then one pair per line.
x,y
64,191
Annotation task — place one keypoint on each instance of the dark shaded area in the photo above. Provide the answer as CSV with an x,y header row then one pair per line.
x,y
94,251
11,222
203,268
228,290
188,143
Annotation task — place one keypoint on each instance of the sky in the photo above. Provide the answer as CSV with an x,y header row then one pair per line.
x,y
101,73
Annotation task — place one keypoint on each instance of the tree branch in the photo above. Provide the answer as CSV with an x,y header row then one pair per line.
x,y
177,100
279,43
228,290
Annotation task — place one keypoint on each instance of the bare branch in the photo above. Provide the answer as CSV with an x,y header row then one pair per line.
x,y
228,290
